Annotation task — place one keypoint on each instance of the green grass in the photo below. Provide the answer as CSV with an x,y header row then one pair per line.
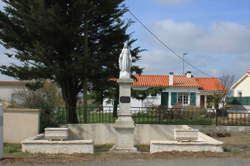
x,y
103,148
143,148
95,117
12,148
143,118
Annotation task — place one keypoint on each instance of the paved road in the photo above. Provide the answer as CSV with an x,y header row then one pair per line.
x,y
178,162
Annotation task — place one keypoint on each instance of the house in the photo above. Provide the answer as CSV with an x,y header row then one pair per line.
x,y
9,90
241,93
242,87
177,89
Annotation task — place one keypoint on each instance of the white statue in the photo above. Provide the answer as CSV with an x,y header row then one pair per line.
x,y
125,62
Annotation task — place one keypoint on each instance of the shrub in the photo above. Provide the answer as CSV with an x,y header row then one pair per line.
x,y
47,99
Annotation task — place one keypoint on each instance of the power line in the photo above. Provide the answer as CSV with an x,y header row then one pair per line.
x,y
165,45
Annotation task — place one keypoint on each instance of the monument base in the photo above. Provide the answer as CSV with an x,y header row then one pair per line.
x,y
117,149
124,127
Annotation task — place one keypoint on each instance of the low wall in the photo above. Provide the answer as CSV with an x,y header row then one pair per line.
x,y
230,129
20,124
239,107
144,133
106,134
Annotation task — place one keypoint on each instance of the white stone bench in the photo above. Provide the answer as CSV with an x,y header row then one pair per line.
x,y
56,134
186,135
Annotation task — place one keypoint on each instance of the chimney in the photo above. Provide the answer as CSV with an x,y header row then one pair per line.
x,y
189,74
171,79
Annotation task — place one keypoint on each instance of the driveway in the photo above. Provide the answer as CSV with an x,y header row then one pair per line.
x,y
177,162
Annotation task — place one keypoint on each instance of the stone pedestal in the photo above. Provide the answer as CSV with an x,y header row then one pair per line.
x,y
124,125
1,131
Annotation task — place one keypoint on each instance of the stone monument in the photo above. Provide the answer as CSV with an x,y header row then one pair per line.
x,y
124,125
1,131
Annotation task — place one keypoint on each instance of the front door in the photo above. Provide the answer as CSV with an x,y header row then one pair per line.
x,y
202,100
164,99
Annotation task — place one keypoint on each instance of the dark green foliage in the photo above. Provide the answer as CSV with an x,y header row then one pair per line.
x,y
73,43
142,94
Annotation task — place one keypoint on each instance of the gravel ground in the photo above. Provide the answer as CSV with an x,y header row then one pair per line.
x,y
177,162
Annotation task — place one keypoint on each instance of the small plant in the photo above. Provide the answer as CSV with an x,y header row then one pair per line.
x,y
219,134
12,148
103,148
143,148
230,150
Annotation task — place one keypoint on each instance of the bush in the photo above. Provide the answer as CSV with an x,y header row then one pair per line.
x,y
47,99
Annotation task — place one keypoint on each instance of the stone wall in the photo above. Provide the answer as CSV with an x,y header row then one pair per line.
x,y
105,133
144,133
20,124
230,129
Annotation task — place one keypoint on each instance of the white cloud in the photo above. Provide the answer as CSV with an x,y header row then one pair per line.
x,y
173,1
223,37
221,47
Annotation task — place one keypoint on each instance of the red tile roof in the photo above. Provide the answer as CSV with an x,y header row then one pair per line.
x,y
183,81
151,80
207,84
210,84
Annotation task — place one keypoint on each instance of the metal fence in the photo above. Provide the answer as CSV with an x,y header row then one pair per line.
x,y
155,115
238,100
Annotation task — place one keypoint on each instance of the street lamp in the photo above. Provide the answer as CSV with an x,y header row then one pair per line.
x,y
183,62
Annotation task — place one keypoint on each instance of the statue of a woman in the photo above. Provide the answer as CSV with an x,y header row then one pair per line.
x,y
125,62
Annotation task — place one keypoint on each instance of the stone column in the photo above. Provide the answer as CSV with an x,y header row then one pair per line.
x,y
205,101
124,125
1,131
198,99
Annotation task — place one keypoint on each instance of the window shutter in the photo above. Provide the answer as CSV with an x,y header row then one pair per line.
x,y
193,98
173,98
164,99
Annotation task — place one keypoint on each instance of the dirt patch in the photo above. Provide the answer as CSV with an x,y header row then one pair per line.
x,y
236,139
237,146
102,157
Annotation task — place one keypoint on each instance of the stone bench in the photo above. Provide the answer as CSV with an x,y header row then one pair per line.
x,y
56,134
186,135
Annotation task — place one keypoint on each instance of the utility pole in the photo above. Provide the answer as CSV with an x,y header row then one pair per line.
x,y
183,62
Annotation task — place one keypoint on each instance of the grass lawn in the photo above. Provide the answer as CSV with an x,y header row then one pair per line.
x,y
12,148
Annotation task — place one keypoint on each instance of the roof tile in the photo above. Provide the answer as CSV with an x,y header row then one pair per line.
x,y
208,84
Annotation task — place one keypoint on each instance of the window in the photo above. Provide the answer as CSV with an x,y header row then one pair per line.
x,y
210,101
17,98
239,93
183,98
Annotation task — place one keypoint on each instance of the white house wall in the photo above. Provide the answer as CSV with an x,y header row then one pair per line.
x,y
244,87
148,102
183,89
6,91
156,100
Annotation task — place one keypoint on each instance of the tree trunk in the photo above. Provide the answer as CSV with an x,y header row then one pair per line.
x,y
72,116
85,100
85,81
70,99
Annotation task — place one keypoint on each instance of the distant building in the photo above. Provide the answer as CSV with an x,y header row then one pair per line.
x,y
242,87
178,89
9,90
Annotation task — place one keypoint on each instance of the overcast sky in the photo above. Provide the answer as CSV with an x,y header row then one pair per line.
x,y
214,33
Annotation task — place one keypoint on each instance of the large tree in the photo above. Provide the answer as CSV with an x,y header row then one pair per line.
x,y
71,42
